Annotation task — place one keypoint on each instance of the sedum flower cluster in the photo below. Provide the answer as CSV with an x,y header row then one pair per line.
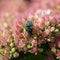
x,y
38,32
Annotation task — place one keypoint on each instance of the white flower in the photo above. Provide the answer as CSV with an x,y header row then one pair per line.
x,y
48,11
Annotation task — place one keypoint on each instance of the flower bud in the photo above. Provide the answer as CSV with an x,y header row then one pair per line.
x,y
11,44
52,29
13,49
28,46
56,30
47,23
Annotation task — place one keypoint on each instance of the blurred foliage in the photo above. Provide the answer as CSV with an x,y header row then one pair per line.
x,y
30,56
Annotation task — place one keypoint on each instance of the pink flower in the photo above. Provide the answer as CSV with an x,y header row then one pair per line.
x,y
18,27
18,46
42,24
18,33
44,34
4,40
16,54
48,30
40,42
24,41
59,44
58,54
34,43
7,48
6,56
36,27
25,49
16,41
30,40
34,49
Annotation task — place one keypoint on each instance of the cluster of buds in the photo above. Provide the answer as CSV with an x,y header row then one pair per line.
x,y
37,33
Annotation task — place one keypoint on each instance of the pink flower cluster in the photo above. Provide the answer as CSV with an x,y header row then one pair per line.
x,y
45,29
